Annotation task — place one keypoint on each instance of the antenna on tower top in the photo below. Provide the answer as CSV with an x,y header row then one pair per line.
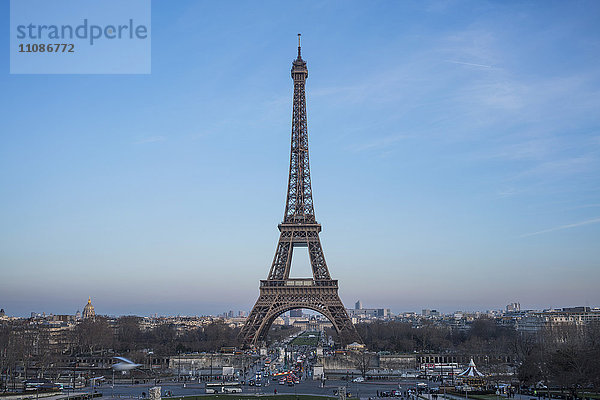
x,y
299,56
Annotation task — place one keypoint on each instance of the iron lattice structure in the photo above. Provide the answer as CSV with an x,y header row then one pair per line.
x,y
280,293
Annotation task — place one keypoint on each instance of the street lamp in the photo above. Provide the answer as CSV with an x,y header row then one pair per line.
x,y
346,382
150,354
178,366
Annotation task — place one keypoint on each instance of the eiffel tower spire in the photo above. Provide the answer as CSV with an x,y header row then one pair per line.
x,y
299,204
279,293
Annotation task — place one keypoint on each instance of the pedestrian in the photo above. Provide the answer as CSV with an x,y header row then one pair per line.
x,y
275,391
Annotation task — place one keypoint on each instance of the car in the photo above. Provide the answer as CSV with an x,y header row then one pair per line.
x,y
359,379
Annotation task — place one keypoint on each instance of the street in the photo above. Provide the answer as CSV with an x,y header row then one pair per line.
x,y
362,389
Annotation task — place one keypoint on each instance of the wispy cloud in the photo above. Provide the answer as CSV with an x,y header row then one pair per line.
x,y
529,131
514,148
468,63
150,139
586,206
557,168
379,143
560,228
508,192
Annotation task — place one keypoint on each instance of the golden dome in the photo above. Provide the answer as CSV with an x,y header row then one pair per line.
x,y
88,310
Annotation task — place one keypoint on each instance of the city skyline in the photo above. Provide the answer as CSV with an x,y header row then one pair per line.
x,y
508,308
455,156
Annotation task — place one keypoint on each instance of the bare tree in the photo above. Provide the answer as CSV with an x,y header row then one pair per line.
x,y
94,334
363,361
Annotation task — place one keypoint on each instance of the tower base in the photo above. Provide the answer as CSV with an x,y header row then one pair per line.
x,y
278,296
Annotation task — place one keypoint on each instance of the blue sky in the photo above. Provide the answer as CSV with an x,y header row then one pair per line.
x,y
455,158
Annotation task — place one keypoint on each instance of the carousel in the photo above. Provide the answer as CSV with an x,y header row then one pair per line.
x,y
471,378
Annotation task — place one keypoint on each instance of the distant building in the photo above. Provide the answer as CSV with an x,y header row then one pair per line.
x,y
297,313
355,346
513,307
369,312
532,321
2,313
570,315
358,305
311,323
88,310
430,313
61,318
78,315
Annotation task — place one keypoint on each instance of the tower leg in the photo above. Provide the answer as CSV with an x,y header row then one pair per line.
x,y
274,301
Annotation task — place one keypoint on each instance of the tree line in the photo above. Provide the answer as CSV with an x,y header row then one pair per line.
x,y
565,356
28,343
484,335
25,338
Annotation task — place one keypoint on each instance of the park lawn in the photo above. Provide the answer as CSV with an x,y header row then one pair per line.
x,y
478,396
236,396
305,340
486,396
582,394
590,395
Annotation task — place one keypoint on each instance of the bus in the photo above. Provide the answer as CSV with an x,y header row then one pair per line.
x,y
41,385
223,387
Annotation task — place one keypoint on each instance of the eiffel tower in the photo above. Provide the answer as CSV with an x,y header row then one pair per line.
x,y
280,293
